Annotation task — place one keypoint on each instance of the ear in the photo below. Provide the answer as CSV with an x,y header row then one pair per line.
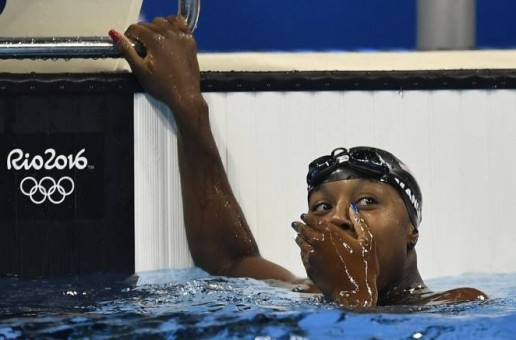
x,y
412,237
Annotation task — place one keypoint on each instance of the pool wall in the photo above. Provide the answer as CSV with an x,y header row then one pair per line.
x,y
448,115
455,130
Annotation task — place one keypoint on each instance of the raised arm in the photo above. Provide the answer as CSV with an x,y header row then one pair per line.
x,y
219,237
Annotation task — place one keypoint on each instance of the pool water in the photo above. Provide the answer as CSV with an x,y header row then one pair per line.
x,y
191,304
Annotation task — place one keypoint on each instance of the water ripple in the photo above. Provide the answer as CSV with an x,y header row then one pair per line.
x,y
192,304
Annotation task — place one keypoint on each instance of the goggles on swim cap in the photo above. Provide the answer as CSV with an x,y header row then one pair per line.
x,y
366,162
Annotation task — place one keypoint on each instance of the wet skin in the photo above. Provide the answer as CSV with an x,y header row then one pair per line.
x,y
370,246
373,247
356,259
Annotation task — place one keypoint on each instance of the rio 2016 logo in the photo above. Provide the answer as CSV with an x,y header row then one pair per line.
x,y
46,188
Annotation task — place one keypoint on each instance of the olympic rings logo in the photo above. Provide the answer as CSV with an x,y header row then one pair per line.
x,y
47,188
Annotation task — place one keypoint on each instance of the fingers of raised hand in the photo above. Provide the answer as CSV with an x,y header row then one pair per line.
x,y
162,22
306,250
179,23
316,223
166,28
151,26
306,232
148,34
365,238
326,229
135,31
303,245
128,52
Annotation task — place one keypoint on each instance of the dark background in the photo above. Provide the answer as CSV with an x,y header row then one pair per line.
x,y
92,230
270,25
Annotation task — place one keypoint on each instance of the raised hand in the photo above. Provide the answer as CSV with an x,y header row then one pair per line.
x,y
169,71
343,266
219,238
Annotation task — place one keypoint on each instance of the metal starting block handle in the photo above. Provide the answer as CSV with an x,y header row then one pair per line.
x,y
81,47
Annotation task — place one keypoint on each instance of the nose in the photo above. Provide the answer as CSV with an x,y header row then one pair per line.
x,y
341,218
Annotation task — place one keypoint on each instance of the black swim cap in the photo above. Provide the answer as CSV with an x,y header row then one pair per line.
x,y
370,163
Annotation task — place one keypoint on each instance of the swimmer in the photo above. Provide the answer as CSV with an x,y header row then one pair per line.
x,y
358,237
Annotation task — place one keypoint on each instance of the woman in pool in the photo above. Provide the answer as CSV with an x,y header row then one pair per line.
x,y
357,239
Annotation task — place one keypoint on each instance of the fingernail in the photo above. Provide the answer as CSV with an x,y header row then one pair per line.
x,y
354,207
115,36
303,216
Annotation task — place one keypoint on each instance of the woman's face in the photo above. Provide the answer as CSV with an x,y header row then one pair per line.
x,y
382,209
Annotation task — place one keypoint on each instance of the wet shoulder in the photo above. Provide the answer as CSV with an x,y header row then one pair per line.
x,y
465,294
299,286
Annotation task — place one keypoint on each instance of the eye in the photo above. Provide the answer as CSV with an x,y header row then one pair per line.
x,y
321,207
365,202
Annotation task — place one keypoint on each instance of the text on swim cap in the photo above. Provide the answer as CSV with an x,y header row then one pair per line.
x,y
409,193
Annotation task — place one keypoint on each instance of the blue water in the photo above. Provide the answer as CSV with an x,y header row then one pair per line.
x,y
191,304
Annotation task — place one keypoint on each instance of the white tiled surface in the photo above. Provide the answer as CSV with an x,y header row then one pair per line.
x,y
460,145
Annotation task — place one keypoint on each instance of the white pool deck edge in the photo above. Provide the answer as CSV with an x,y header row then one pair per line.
x,y
295,61
358,61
